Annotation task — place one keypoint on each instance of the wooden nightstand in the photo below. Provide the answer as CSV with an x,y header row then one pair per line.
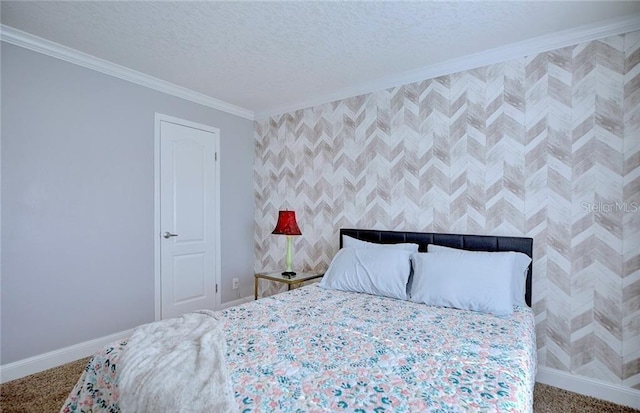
x,y
291,282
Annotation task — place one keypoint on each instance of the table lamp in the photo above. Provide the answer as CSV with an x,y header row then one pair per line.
x,y
288,226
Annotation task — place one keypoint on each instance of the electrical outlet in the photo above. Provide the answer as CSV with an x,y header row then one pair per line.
x,y
236,284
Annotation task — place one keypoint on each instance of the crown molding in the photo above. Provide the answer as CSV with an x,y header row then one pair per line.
x,y
37,44
537,45
541,44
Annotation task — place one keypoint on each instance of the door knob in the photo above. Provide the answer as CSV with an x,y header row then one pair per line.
x,y
169,235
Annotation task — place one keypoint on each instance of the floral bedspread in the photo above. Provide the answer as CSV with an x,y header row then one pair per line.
x,y
316,350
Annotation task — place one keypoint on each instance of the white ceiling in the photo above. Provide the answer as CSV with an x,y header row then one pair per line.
x,y
269,57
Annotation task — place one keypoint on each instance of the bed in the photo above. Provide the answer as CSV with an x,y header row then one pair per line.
x,y
315,349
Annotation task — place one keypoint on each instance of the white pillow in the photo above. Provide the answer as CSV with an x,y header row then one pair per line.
x,y
376,271
476,282
350,242
520,269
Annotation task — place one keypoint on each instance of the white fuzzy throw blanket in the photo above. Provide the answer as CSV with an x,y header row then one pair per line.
x,y
176,365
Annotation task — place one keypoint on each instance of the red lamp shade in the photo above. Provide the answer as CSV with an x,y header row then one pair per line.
x,y
287,224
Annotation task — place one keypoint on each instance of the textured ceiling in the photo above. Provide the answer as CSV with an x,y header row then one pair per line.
x,y
267,55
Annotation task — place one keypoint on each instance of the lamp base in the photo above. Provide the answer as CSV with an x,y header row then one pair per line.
x,y
288,274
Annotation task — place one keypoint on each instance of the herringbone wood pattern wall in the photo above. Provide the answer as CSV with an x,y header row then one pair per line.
x,y
546,146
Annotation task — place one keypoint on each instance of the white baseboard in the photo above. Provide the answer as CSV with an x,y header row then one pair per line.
x,y
589,387
41,362
234,303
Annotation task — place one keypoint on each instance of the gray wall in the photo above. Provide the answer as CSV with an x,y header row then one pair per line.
x,y
78,199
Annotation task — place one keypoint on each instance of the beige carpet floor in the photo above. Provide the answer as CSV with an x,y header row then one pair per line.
x,y
46,391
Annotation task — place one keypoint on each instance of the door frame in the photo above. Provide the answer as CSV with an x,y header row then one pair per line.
x,y
159,117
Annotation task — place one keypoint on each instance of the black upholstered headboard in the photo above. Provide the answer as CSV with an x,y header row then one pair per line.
x,y
468,242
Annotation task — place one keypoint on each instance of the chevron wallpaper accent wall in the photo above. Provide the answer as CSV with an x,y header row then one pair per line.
x,y
546,146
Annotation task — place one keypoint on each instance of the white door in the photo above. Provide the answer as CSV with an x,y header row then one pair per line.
x,y
188,228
